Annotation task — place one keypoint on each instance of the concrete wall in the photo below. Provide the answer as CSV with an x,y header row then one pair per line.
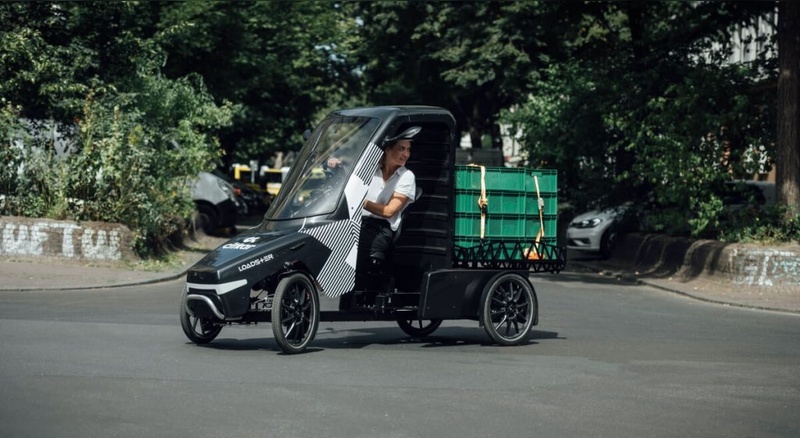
x,y
97,241
741,264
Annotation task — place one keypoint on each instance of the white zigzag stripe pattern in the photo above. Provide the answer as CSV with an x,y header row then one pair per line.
x,y
337,274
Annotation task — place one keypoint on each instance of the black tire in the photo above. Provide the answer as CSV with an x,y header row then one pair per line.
x,y
295,313
508,309
419,328
198,330
608,242
206,219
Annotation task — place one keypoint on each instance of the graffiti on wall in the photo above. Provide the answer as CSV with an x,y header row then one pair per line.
x,y
59,239
755,267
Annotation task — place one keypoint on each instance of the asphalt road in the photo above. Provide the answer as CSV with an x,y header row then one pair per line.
x,y
606,360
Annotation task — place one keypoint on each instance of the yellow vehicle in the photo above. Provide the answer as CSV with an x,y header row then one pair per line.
x,y
273,178
244,175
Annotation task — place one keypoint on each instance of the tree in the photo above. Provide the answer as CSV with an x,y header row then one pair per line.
x,y
475,58
618,106
281,61
788,154
137,137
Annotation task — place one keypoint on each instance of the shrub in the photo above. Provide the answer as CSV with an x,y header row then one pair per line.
x,y
130,159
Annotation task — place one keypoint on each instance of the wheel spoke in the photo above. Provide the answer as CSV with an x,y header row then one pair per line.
x,y
291,330
500,324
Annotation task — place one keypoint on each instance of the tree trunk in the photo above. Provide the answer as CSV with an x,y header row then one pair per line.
x,y
787,160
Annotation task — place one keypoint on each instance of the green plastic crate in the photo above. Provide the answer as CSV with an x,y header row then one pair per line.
x,y
505,202
548,180
514,226
507,178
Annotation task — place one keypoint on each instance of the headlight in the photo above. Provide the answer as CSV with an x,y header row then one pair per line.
x,y
588,223
227,189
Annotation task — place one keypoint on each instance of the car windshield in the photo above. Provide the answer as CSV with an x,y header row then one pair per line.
x,y
313,189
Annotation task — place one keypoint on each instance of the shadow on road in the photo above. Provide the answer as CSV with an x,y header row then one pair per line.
x,y
387,336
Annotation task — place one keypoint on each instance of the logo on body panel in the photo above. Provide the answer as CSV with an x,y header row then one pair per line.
x,y
246,244
256,262
338,274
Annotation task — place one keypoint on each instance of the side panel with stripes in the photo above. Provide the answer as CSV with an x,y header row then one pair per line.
x,y
337,276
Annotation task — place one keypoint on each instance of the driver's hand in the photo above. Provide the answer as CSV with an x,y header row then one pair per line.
x,y
333,162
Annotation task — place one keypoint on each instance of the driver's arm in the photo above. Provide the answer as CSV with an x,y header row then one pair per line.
x,y
388,210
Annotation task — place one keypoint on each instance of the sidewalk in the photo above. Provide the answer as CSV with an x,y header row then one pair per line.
x,y
737,275
20,274
629,265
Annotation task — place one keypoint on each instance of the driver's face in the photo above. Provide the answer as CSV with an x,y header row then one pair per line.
x,y
398,153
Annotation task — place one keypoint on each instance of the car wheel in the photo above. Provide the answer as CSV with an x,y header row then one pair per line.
x,y
608,242
508,309
419,328
206,219
198,330
295,313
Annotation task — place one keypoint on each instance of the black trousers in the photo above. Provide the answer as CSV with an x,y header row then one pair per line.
x,y
374,252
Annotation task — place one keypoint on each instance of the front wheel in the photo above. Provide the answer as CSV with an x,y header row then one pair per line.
x,y
295,313
508,309
608,242
198,330
419,328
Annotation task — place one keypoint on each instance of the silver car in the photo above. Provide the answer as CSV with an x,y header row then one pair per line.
x,y
595,231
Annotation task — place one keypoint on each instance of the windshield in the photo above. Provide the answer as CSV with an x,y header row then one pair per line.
x,y
314,189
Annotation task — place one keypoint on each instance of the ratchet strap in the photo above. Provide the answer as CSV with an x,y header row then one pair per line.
x,y
535,253
483,202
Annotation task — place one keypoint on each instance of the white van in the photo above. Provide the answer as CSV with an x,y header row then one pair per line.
x,y
215,201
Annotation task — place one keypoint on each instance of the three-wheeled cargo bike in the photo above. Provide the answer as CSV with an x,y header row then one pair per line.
x,y
305,248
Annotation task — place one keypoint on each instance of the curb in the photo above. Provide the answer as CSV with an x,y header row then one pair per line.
x,y
163,279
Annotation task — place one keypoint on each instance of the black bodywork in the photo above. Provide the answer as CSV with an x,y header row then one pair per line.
x,y
312,234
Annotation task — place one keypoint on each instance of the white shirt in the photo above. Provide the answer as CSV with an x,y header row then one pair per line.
x,y
380,191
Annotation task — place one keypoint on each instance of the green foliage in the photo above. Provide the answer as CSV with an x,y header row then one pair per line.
x,y
648,112
130,140
766,226
629,100
281,61
122,168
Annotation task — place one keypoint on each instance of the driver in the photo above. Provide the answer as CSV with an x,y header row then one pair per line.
x,y
391,190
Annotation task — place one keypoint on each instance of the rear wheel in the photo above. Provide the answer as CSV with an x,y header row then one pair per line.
x,y
608,242
295,313
508,309
419,328
198,330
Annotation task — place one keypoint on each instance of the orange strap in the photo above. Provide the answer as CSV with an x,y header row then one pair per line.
x,y
483,202
535,252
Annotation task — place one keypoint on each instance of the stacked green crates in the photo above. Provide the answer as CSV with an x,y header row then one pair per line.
x,y
513,208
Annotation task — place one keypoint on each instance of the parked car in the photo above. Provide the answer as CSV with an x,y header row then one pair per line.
x,y
249,201
598,231
739,194
215,201
595,231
